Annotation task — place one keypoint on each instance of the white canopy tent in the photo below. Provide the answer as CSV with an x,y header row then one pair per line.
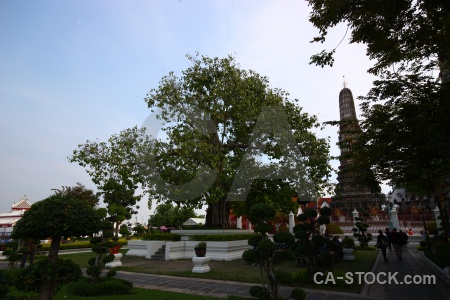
x,y
194,221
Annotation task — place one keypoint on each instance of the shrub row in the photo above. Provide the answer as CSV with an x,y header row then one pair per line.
x,y
106,287
77,245
159,236
221,237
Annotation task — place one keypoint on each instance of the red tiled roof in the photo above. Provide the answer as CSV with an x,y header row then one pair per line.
x,y
22,204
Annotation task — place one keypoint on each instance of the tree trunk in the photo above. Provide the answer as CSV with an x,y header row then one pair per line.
x,y
217,214
49,286
443,214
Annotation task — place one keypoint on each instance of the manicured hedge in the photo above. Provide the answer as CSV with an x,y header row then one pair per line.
x,y
159,236
77,245
106,287
221,237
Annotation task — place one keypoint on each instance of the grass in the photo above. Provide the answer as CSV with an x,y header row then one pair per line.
x,y
236,270
137,294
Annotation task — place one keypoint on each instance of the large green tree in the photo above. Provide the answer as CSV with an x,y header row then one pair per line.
x,y
113,167
217,123
405,115
79,191
54,218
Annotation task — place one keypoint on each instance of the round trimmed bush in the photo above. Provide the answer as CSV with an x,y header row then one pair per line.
x,y
298,294
263,228
300,276
250,256
262,211
334,229
254,240
259,292
267,247
283,277
284,237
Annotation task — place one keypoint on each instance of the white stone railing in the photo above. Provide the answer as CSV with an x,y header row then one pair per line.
x,y
225,251
144,248
185,233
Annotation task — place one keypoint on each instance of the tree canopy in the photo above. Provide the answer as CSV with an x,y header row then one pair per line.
x,y
218,120
56,217
405,115
166,214
80,192
113,167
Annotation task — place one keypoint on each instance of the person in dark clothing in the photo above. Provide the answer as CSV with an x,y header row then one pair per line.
x,y
404,240
382,243
388,235
29,248
397,242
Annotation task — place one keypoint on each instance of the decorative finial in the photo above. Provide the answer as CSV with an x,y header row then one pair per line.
x,y
345,82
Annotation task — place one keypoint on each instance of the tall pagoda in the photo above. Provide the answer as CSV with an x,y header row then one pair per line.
x,y
350,194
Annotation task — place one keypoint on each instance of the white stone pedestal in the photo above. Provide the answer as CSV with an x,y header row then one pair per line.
x,y
200,264
116,262
348,254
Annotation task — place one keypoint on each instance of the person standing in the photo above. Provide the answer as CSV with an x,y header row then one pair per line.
x,y
397,242
28,249
404,240
382,243
388,235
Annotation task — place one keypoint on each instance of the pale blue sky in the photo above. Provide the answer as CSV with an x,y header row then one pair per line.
x,y
72,71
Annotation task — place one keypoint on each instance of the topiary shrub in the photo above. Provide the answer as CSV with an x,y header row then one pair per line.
x,y
251,256
61,272
348,243
334,229
260,293
284,277
298,294
310,243
5,283
360,232
266,252
300,276
106,287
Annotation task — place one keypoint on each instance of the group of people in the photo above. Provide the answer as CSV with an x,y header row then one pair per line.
x,y
392,239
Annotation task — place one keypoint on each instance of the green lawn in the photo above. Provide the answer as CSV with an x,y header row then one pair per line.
x,y
236,270
138,294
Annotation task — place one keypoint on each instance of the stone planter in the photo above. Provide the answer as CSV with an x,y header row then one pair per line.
x,y
200,264
115,249
200,252
348,254
116,262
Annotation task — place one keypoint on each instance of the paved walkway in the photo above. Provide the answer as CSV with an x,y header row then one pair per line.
x,y
413,264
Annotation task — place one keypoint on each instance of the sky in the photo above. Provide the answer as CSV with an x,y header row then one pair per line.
x,y
78,70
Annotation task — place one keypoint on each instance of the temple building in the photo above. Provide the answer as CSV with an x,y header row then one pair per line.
x,y
9,219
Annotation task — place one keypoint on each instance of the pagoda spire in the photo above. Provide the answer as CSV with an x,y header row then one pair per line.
x,y
349,132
